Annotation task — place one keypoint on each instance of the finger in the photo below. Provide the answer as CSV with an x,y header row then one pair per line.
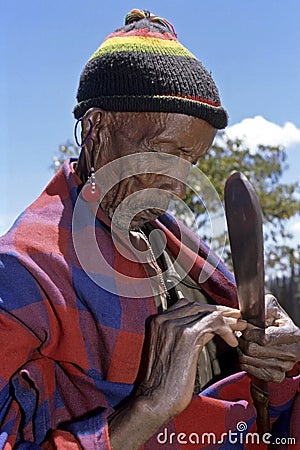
x,y
214,320
229,312
274,308
288,352
254,334
236,324
265,374
224,327
185,306
203,326
228,336
226,332
185,309
184,301
272,335
270,363
287,334
182,315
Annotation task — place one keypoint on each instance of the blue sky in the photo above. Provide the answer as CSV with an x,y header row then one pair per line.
x,y
251,47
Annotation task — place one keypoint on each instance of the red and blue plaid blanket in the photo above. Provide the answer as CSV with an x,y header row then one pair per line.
x,y
70,348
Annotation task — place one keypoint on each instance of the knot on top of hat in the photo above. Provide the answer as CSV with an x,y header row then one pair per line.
x,y
139,14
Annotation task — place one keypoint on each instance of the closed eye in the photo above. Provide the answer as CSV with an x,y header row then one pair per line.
x,y
184,150
163,156
188,155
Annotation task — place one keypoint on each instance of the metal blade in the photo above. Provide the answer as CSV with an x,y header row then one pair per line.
x,y
244,219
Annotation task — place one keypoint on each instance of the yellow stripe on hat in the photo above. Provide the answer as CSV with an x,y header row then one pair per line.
x,y
142,44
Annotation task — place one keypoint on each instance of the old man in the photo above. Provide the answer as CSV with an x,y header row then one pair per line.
x,y
108,340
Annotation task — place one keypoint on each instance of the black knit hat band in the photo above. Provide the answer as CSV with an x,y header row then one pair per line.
x,y
151,103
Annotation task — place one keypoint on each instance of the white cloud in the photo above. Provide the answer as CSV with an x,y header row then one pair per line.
x,y
257,130
295,227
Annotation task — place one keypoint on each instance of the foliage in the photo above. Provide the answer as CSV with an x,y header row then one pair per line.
x,y
264,168
287,288
279,201
65,151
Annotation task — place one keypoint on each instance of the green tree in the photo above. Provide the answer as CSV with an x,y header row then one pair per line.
x,y
65,151
279,201
264,168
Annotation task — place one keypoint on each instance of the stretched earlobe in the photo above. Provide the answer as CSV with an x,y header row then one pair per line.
x,y
88,136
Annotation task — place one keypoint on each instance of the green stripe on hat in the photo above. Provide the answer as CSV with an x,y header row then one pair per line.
x,y
142,44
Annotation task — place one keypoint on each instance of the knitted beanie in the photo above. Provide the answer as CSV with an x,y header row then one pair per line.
x,y
143,67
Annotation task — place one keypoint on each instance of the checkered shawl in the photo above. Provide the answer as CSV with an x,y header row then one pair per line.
x,y
70,348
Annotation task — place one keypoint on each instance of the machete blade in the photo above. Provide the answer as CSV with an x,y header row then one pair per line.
x,y
244,219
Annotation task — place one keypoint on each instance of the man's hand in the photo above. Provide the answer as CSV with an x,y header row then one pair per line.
x,y
268,354
176,339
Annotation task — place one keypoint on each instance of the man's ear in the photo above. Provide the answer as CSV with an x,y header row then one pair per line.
x,y
95,118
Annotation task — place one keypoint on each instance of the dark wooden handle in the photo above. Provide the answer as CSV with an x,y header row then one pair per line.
x,y
260,396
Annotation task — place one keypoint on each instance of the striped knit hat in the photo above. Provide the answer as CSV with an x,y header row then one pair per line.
x,y
143,67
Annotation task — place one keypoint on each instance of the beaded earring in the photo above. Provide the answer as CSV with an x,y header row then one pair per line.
x,y
90,191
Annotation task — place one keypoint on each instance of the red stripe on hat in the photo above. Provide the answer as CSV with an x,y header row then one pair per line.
x,y
195,99
143,32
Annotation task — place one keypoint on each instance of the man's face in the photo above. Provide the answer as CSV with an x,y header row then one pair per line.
x,y
161,147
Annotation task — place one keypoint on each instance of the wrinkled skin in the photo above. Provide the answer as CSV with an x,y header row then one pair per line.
x,y
177,336
269,354
180,334
120,134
